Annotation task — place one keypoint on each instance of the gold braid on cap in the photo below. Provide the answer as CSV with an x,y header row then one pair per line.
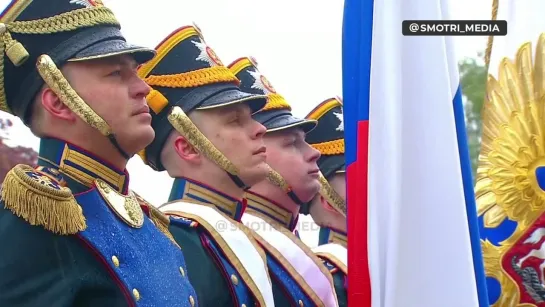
x,y
194,78
335,147
68,21
183,124
276,102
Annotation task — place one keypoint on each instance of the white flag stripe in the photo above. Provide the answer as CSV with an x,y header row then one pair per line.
x,y
418,222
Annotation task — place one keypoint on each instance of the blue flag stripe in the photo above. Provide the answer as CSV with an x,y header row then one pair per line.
x,y
469,193
356,66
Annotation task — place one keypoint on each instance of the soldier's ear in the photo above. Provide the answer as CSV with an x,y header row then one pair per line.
x,y
53,105
327,207
185,150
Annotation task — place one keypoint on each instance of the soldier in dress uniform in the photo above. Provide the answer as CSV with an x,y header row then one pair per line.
x,y
328,139
208,142
299,276
72,232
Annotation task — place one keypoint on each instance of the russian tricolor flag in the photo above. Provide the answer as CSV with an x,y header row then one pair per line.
x,y
412,224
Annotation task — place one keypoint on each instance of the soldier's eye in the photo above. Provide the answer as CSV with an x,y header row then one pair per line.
x,y
290,143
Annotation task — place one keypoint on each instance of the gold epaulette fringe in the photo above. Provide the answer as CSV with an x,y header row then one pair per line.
x,y
160,220
40,200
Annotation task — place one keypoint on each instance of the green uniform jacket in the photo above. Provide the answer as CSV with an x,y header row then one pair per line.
x,y
40,268
214,270
48,259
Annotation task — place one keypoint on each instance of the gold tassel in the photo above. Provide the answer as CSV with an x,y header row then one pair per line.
x,y
15,51
39,204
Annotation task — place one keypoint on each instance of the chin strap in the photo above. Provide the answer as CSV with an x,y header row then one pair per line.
x,y
331,196
238,182
54,78
181,122
275,178
114,142
294,197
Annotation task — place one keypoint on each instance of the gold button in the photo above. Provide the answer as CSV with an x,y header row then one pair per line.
x,y
136,294
243,305
115,261
234,279
182,271
301,303
191,300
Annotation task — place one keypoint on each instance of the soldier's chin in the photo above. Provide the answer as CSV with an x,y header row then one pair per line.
x,y
307,192
136,139
255,174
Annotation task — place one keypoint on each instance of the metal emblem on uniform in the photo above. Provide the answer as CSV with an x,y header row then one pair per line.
x,y
510,186
261,83
87,3
126,208
207,54
43,180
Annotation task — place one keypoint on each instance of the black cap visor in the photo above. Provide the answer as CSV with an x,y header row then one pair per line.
x,y
276,120
113,47
234,96
332,164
